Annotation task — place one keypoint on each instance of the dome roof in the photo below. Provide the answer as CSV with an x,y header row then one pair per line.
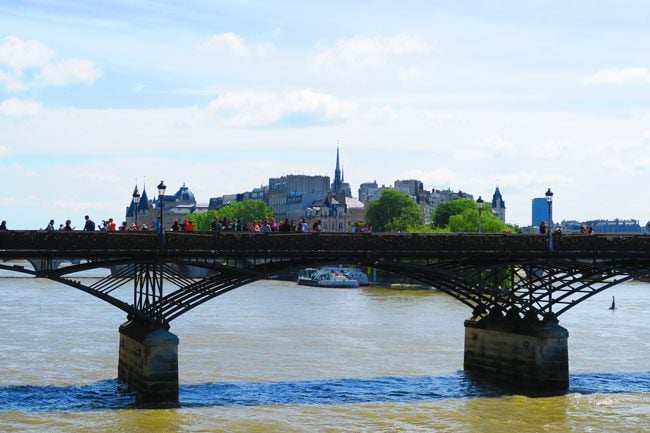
x,y
185,195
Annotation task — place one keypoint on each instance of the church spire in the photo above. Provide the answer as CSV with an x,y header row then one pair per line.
x,y
337,185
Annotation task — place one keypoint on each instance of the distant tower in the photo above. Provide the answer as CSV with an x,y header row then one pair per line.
x,y
498,205
540,210
142,209
337,185
345,187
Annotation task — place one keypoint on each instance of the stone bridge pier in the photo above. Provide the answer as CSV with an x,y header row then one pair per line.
x,y
532,359
148,362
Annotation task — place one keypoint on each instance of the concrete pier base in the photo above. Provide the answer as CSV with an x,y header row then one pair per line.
x,y
530,360
148,363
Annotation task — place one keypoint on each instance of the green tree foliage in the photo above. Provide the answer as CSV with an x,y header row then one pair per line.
x,y
449,208
393,211
246,211
467,221
202,221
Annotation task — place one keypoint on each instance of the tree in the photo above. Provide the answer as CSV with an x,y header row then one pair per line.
x,y
449,208
467,221
393,211
245,211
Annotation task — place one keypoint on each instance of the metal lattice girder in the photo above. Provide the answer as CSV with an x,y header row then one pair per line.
x,y
541,288
503,273
190,296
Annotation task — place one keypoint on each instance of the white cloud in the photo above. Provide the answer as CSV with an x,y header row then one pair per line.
x,y
553,150
21,170
378,115
255,109
19,54
230,42
409,74
23,60
71,71
19,108
615,164
488,148
366,51
441,120
498,145
12,82
234,44
619,76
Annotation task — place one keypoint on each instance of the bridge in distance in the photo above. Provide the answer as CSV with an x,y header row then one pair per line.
x,y
516,286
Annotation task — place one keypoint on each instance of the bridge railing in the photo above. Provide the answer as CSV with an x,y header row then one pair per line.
x,y
26,244
279,243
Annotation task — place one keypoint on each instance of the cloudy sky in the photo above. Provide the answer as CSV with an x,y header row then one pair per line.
x,y
98,96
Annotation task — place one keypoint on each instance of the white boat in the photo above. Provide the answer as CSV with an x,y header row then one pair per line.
x,y
326,278
351,273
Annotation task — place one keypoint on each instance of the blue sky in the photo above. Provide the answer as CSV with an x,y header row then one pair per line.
x,y
96,96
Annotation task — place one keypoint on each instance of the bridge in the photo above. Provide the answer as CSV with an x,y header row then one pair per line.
x,y
515,286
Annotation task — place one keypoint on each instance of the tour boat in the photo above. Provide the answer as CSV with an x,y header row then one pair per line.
x,y
326,278
351,273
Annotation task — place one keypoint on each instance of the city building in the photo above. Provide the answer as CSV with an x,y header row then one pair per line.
x,y
366,190
411,187
439,196
340,188
603,226
141,211
175,207
539,211
373,193
498,205
292,195
314,198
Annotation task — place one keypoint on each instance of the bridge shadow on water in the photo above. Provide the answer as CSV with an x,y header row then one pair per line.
x,y
110,395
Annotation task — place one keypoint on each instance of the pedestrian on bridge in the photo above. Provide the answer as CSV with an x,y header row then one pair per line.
x,y
50,226
542,228
3,226
89,226
216,226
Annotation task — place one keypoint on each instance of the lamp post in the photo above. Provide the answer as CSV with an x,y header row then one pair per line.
x,y
549,201
136,202
479,205
161,195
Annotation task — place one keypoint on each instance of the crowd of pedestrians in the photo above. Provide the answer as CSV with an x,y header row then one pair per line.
x,y
266,225
108,225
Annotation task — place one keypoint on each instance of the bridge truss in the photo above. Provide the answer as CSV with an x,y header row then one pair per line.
x,y
530,290
512,278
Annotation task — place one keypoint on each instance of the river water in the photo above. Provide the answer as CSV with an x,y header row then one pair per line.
x,y
277,357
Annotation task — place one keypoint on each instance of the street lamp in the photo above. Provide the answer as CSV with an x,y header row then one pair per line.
x,y
549,200
479,205
136,202
161,195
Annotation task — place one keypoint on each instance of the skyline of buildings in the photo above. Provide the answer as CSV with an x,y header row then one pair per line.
x,y
314,197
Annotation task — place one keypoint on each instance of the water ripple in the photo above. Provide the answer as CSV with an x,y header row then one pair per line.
x,y
110,395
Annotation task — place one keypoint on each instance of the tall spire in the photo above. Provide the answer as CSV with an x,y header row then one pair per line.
x,y
337,185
